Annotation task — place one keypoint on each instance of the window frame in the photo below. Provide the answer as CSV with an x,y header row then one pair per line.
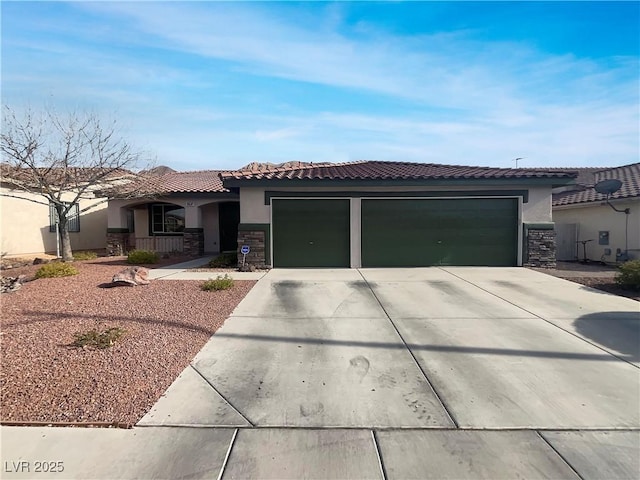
x,y
163,207
73,225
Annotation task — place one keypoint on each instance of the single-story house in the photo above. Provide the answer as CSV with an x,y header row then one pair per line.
x,y
358,214
586,223
28,221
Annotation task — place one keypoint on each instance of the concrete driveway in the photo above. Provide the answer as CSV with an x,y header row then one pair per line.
x,y
404,373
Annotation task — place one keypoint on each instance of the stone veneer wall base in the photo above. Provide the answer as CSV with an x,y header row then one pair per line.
x,y
255,239
117,242
193,242
540,248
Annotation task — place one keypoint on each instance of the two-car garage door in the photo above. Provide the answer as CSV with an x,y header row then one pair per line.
x,y
399,232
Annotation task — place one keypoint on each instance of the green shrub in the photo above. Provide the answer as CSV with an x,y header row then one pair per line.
x,y
629,275
56,269
142,256
85,255
94,338
228,259
219,283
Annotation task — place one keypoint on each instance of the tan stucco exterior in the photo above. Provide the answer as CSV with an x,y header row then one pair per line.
x,y
24,226
254,210
593,218
537,210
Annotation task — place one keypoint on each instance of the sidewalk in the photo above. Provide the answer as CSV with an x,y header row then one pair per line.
x,y
181,271
314,453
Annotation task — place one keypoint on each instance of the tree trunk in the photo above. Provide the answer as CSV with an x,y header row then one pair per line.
x,y
65,244
65,241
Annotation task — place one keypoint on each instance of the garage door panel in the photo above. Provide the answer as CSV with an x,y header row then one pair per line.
x,y
311,233
421,232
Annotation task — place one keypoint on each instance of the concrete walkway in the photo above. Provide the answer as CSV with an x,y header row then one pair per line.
x,y
181,271
386,373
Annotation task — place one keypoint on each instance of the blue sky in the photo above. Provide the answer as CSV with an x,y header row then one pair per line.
x,y
203,85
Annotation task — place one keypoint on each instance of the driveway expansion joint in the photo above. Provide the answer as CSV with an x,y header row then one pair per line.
x,y
560,455
379,455
415,360
228,454
222,396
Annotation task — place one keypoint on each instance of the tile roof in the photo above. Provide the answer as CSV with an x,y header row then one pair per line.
x,y
584,192
379,170
58,177
203,181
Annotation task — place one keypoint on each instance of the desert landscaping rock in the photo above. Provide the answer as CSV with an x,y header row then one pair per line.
x,y
11,284
132,276
44,379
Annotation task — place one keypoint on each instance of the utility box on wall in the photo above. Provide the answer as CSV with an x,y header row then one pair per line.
x,y
603,237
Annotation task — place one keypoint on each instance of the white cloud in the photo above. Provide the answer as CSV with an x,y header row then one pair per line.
x,y
453,99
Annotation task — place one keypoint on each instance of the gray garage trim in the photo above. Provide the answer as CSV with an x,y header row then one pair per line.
x,y
524,194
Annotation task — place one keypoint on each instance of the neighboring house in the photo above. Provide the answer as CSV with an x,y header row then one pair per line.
x,y
582,215
369,214
28,228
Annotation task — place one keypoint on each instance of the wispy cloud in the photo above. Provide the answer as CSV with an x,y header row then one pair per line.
x,y
234,82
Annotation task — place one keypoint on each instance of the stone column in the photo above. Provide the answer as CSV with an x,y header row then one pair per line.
x,y
193,241
117,241
256,240
540,246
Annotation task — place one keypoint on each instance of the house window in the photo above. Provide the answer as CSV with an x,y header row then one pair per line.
x,y
131,223
167,218
73,216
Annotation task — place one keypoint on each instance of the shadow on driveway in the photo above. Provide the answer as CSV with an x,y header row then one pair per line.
x,y
618,331
424,347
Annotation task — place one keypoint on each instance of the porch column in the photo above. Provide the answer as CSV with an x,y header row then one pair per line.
x,y
540,245
117,229
355,226
193,235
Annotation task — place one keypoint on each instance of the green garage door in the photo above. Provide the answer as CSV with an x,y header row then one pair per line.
x,y
310,233
413,233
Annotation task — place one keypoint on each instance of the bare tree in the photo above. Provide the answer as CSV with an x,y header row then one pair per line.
x,y
64,159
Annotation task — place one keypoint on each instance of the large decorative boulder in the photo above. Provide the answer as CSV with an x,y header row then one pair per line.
x,y
132,276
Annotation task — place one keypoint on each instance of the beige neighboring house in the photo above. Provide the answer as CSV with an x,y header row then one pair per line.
x,y
585,221
28,222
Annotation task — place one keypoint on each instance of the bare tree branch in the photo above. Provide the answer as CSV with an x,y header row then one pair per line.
x,y
24,198
68,157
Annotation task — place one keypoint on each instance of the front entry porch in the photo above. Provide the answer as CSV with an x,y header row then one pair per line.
x,y
173,225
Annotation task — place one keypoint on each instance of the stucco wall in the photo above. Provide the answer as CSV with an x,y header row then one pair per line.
x,y
591,219
253,209
24,226
538,208
211,226
141,221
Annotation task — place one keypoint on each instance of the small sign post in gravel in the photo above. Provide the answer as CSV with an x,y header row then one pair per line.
x,y
244,250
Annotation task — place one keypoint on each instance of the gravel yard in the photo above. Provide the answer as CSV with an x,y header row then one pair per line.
x,y
601,277
44,379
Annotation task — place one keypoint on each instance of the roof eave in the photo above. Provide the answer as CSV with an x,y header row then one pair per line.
x,y
413,182
595,203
